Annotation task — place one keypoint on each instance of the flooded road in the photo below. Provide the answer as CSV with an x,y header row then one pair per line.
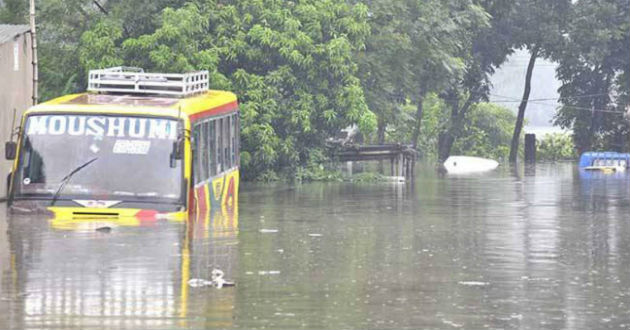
x,y
544,248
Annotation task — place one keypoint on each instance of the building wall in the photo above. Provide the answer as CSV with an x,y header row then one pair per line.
x,y
16,90
5,254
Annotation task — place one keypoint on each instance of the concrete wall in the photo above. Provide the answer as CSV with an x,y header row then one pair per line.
x,y
16,90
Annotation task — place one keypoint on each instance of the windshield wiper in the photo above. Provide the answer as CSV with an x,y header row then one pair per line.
x,y
67,178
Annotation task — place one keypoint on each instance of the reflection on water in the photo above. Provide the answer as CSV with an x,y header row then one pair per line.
x,y
538,248
65,273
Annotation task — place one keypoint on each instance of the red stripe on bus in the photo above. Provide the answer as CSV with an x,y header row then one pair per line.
x,y
202,206
146,217
220,110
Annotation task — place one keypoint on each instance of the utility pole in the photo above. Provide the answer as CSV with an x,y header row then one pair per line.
x,y
34,49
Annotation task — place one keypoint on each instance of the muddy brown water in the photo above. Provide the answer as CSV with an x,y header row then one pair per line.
x,y
537,248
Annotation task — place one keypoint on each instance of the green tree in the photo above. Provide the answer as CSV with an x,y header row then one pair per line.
x,y
537,26
434,119
594,70
385,70
557,146
444,38
14,12
62,24
416,48
490,44
292,66
487,132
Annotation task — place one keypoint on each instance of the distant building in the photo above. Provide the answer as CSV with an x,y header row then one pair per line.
x,y
16,84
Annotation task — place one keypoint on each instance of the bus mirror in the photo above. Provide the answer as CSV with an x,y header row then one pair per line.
x,y
10,150
178,149
177,153
172,162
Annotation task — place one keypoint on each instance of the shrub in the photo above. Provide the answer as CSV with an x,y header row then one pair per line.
x,y
556,146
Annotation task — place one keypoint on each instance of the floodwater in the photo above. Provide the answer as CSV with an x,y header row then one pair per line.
x,y
539,248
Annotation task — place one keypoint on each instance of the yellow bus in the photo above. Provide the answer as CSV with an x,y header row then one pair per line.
x,y
144,145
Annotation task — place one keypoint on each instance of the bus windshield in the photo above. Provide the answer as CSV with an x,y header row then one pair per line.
x,y
99,157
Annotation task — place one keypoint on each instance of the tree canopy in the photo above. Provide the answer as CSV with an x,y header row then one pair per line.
x,y
595,72
303,70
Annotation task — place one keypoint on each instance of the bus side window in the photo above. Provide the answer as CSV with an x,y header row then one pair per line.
x,y
233,140
204,152
226,142
195,148
219,125
212,160
238,138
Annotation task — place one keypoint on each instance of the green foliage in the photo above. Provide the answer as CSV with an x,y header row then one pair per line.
x,y
416,48
368,177
14,12
101,39
435,117
318,168
411,71
487,48
539,24
487,133
293,68
316,174
556,146
594,69
291,64
64,50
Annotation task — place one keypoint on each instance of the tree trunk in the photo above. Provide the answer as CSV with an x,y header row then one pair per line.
x,y
447,138
445,144
597,116
419,113
380,133
521,108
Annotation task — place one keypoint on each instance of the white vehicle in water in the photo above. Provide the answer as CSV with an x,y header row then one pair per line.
x,y
466,164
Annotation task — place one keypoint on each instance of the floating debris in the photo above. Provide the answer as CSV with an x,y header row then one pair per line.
x,y
216,281
268,231
473,283
452,324
104,229
268,272
466,165
315,235
284,314
199,283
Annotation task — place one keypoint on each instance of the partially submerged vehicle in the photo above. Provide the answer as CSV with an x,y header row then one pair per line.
x,y
466,164
146,145
604,161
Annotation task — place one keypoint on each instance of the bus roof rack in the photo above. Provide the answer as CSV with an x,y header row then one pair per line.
x,y
130,80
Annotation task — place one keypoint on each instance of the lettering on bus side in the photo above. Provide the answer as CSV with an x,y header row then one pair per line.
x,y
118,127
